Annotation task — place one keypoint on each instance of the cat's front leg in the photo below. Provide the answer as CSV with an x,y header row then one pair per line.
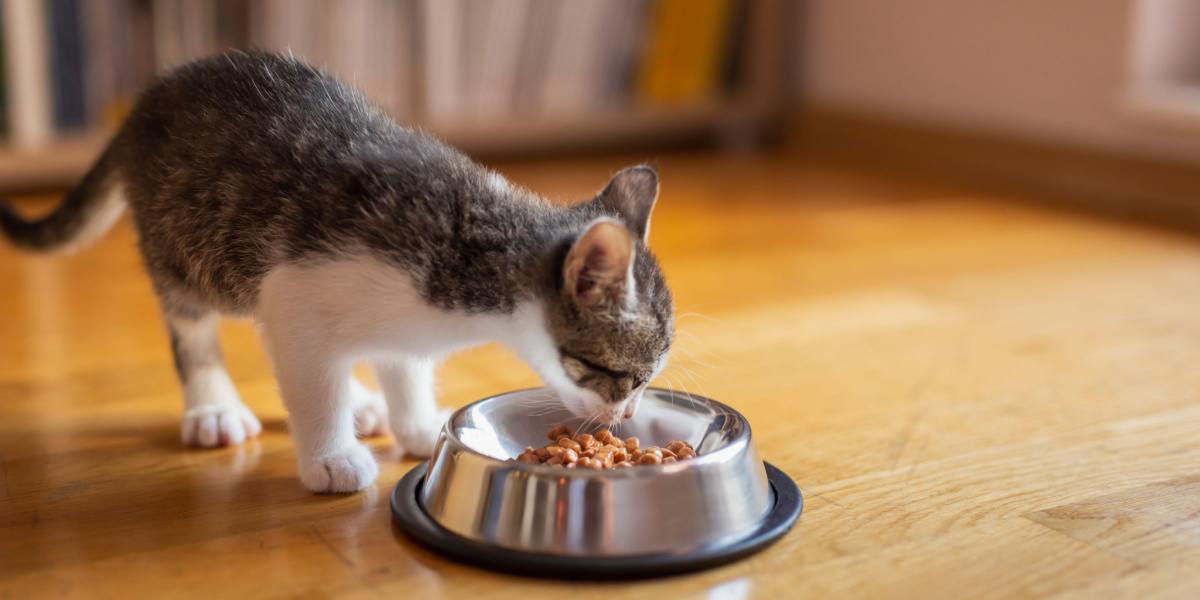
x,y
315,385
413,412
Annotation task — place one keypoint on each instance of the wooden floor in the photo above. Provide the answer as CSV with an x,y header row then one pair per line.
x,y
979,398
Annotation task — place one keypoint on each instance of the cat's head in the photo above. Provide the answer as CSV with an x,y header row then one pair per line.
x,y
610,312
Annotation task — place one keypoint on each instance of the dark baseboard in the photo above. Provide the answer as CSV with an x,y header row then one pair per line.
x,y
1124,186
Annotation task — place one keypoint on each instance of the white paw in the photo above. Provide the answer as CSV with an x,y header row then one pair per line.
x,y
418,438
347,470
212,425
370,416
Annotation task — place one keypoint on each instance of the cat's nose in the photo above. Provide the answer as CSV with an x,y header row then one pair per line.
x,y
630,409
631,405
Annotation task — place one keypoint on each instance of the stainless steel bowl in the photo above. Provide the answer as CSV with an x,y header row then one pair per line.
x,y
473,490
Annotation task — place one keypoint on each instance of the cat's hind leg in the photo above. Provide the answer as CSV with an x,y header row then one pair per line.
x,y
370,411
213,412
413,412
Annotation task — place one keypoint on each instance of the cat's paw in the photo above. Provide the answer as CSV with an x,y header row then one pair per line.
x,y
417,438
371,416
213,425
348,470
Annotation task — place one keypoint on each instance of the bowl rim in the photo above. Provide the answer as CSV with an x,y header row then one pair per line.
x,y
743,440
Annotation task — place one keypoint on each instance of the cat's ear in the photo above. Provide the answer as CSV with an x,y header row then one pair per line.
x,y
630,196
598,270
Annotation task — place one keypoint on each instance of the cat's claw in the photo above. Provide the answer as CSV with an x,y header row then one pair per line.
x,y
371,417
213,425
418,438
347,470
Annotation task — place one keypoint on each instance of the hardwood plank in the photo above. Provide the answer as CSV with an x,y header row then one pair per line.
x,y
1176,582
1153,525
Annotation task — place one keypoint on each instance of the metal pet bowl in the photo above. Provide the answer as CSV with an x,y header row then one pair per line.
x,y
474,504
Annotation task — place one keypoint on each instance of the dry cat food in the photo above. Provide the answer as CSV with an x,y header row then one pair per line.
x,y
602,450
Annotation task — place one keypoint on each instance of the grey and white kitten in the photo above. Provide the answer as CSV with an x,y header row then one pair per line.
x,y
262,187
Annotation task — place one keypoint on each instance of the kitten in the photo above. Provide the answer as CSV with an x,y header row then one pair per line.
x,y
262,187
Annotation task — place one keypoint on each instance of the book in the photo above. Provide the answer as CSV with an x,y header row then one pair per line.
x,y
109,45
3,81
197,29
621,48
66,63
144,64
441,46
683,63
732,72
534,57
703,45
168,46
400,23
349,44
579,41
30,115
231,24
496,57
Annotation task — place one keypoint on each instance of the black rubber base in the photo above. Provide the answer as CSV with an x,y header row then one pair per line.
x,y
413,521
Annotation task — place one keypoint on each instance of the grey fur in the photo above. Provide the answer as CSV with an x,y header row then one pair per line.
x,y
238,163
58,228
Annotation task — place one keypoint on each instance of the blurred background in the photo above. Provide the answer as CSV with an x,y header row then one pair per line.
x,y
495,77
1048,95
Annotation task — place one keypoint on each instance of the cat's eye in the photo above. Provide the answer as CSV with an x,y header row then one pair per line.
x,y
592,366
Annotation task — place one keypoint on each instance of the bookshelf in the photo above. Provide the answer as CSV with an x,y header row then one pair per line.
x,y
740,103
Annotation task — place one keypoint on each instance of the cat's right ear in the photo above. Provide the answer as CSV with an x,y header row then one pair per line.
x,y
598,270
630,196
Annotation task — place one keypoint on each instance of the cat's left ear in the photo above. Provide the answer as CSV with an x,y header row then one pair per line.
x,y
630,196
598,269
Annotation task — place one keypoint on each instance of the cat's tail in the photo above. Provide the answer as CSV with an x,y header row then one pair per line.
x,y
87,213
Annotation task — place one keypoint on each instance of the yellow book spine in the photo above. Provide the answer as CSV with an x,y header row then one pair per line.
x,y
655,78
702,46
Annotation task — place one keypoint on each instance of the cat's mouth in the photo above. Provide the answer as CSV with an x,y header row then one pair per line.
x,y
589,406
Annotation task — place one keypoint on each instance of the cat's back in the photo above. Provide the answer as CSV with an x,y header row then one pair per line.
x,y
231,162
252,106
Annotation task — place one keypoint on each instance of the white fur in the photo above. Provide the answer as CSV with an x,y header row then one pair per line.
x,y
498,183
213,413
370,411
319,319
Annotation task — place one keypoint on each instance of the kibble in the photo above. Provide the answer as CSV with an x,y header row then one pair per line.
x,y
570,444
649,459
602,450
558,432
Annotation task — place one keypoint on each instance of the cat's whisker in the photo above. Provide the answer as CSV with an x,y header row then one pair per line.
x,y
686,335
692,377
688,356
694,344
537,399
694,314
673,388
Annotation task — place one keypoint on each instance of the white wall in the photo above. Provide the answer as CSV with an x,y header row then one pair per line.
x,y
1056,70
